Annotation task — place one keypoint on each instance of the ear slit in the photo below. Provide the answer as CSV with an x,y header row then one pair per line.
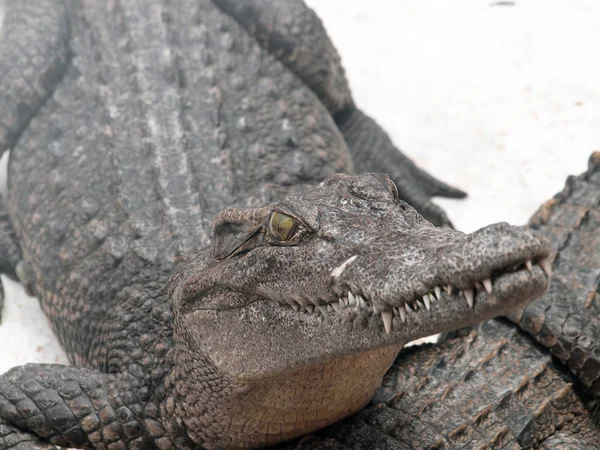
x,y
234,227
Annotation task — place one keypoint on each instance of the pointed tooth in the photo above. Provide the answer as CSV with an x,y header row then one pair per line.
x,y
420,304
310,308
529,265
448,289
408,308
469,296
341,304
438,292
432,298
427,302
332,307
402,313
323,309
487,284
363,304
546,266
296,307
387,321
351,299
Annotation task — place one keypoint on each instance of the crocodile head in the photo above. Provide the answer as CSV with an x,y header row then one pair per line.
x,y
300,307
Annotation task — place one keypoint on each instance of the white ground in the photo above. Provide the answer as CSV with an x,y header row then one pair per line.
x,y
502,101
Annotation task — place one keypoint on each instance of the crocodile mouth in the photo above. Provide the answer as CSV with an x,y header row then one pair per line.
x,y
504,290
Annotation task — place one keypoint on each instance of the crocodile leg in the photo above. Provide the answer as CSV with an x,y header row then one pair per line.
x,y
15,439
567,319
34,52
294,34
373,151
80,408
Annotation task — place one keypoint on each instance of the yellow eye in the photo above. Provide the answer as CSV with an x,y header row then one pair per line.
x,y
282,227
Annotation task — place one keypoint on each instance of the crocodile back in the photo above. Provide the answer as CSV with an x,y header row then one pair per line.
x,y
167,113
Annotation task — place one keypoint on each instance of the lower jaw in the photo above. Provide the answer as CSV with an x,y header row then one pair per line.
x,y
513,290
293,404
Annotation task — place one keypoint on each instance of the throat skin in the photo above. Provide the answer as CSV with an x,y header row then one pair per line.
x,y
245,413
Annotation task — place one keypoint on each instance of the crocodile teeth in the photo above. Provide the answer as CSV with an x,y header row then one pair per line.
x,y
427,302
323,309
448,289
387,321
469,296
331,308
351,299
438,292
310,309
420,304
487,284
337,306
296,307
402,314
361,302
408,308
546,266
529,265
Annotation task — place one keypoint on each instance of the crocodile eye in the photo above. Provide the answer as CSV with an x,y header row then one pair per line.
x,y
281,226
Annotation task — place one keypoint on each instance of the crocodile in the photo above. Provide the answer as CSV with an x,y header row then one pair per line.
x,y
183,200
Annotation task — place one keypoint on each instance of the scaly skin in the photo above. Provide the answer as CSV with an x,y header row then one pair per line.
x,y
567,320
133,125
294,33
